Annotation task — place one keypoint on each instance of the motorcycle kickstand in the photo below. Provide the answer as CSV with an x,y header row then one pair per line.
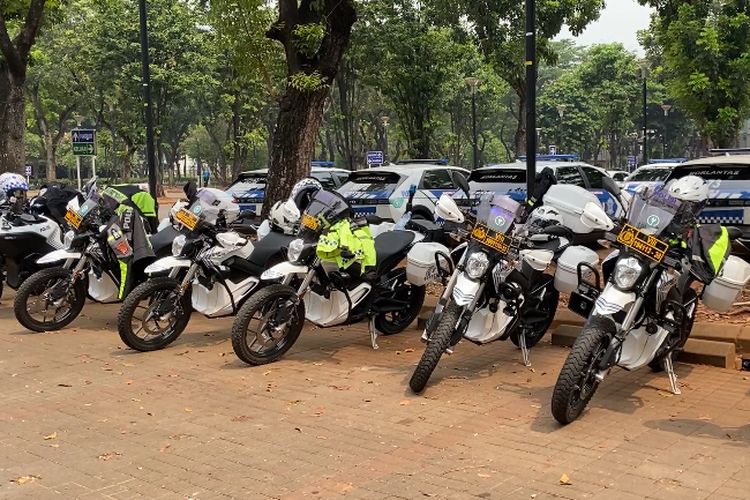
x,y
669,368
524,349
373,334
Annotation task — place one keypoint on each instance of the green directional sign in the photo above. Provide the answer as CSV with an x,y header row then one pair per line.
x,y
84,142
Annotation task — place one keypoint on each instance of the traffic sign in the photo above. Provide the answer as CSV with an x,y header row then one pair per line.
x,y
552,149
632,161
84,142
28,171
374,157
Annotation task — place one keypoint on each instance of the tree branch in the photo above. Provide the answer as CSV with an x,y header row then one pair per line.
x,y
8,49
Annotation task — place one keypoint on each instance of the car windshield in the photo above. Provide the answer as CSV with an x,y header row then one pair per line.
x,y
248,186
651,212
92,202
648,175
325,209
366,185
497,181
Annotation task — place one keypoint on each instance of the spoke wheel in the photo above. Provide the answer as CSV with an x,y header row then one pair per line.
x,y
268,324
48,301
153,315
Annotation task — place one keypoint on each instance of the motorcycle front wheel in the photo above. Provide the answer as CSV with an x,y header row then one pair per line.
x,y
268,325
577,381
47,301
153,315
437,344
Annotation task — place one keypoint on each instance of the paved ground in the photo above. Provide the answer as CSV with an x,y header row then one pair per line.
x,y
84,417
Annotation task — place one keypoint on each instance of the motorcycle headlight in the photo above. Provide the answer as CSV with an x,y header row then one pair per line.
x,y
295,249
68,239
178,244
627,272
477,264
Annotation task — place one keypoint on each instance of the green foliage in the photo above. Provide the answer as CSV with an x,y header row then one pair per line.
x,y
307,38
307,82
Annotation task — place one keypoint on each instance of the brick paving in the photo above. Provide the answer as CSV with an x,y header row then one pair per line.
x,y
83,417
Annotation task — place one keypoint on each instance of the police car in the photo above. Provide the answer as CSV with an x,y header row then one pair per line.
x,y
510,179
384,191
728,179
649,175
249,188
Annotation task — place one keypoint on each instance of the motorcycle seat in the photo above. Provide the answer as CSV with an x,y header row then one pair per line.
x,y
390,248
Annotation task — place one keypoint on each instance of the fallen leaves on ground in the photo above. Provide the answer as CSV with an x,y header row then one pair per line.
x,y
405,402
565,480
50,436
25,479
109,455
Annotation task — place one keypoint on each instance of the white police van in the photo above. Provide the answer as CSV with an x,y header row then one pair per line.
x,y
384,191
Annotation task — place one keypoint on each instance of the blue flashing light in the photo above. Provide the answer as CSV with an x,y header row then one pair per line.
x,y
565,157
667,160
323,163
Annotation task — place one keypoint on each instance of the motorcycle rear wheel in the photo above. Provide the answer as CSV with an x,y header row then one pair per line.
x,y
391,323
158,293
268,306
39,286
436,346
576,383
536,333
657,364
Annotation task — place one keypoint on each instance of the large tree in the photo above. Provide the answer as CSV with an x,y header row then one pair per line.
x,y
314,34
19,26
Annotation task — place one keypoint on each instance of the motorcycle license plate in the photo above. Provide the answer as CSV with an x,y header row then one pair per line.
x,y
310,222
186,218
646,245
493,239
73,219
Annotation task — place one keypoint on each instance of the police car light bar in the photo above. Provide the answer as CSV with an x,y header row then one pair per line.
x,y
323,163
423,161
565,157
729,151
657,161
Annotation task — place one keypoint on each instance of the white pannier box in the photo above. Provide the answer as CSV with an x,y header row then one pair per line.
x,y
566,275
723,291
421,266
570,201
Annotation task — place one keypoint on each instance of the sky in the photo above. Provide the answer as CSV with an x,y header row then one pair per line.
x,y
619,22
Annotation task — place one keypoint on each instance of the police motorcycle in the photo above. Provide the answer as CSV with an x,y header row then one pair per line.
x,y
212,270
645,313
103,257
28,230
499,290
336,274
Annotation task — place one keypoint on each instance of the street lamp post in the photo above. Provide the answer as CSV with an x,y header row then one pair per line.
x,y
643,64
147,105
473,83
530,36
665,107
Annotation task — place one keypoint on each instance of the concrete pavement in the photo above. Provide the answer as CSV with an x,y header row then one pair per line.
x,y
84,417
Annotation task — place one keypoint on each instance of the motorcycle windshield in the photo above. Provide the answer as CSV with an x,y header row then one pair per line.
x,y
325,209
497,213
89,206
651,213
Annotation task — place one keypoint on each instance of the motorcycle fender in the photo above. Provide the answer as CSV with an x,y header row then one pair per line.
x,y
166,264
59,256
612,301
284,269
465,290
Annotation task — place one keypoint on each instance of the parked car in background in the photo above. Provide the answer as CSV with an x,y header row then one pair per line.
x,y
618,175
510,179
383,191
648,175
728,179
249,188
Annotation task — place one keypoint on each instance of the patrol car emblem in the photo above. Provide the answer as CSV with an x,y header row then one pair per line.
x,y
397,202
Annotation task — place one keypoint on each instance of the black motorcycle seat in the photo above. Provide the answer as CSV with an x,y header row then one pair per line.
x,y
390,248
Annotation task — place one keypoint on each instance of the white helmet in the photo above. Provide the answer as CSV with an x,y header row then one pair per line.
x,y
689,188
549,214
284,215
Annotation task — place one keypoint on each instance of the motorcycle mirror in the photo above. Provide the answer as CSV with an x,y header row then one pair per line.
x,y
191,191
595,217
89,186
462,183
447,209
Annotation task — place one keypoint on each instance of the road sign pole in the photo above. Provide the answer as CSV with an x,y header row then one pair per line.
x,y
78,171
148,111
530,96
93,166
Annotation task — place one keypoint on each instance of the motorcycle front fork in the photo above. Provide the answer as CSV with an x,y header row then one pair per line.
x,y
627,325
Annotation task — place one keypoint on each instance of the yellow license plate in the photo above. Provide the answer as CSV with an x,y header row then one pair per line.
x,y
186,218
646,245
493,239
73,219
310,222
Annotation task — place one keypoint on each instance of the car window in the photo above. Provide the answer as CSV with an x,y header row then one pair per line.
x,y
340,177
648,175
497,181
569,175
325,180
594,177
436,179
369,184
724,172
619,176
248,185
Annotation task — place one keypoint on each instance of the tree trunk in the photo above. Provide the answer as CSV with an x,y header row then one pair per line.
x,y
12,122
300,116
